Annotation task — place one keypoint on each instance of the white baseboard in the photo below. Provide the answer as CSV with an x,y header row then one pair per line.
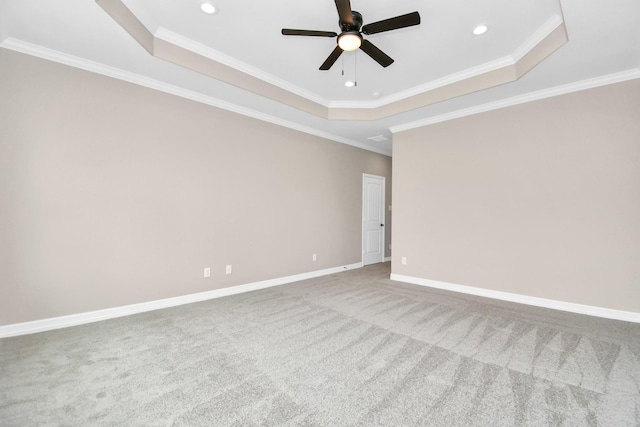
x,y
110,313
387,259
608,313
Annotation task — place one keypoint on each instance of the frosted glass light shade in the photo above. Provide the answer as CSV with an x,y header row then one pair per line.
x,y
349,41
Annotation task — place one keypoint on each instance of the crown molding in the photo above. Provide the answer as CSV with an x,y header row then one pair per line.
x,y
509,60
214,55
98,68
538,37
427,87
522,99
192,55
137,79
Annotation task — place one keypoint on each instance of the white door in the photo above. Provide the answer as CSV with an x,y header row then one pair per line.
x,y
372,219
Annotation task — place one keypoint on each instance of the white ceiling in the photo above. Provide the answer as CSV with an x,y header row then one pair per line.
x,y
603,47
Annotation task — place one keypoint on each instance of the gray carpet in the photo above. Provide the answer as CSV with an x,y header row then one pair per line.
x,y
348,349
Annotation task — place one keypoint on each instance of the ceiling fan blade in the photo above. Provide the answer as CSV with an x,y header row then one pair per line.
x,y
314,33
376,54
344,11
331,59
402,21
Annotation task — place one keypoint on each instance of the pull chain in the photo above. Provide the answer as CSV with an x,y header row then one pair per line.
x,y
355,69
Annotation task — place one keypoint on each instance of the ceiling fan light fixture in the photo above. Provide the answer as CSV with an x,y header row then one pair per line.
x,y
351,28
208,8
349,41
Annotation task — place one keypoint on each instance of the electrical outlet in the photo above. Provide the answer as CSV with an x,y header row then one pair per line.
x,y
404,260
315,257
228,269
207,272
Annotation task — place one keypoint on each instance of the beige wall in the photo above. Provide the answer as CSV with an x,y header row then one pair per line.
x,y
113,194
540,199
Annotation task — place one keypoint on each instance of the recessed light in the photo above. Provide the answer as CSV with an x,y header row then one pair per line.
x,y
208,8
349,83
378,138
480,29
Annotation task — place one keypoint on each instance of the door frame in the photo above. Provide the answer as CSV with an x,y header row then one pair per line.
x,y
362,215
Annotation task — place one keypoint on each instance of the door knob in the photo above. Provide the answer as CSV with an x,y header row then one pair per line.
x,y
381,225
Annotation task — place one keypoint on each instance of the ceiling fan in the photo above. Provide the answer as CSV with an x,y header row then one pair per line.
x,y
350,37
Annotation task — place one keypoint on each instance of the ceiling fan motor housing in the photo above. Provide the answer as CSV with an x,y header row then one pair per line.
x,y
353,26
350,37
